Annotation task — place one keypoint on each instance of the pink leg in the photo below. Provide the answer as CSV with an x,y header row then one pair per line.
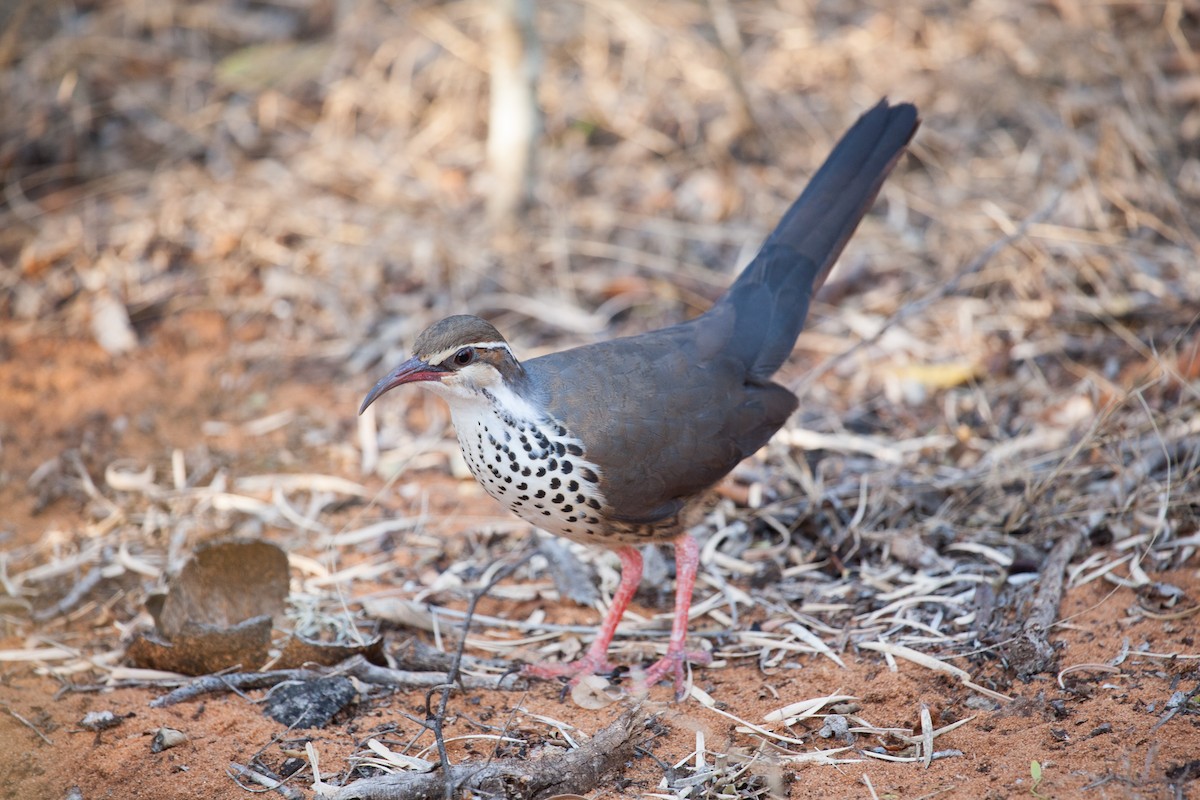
x,y
595,660
687,562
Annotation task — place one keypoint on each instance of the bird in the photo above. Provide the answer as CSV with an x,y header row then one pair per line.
x,y
617,443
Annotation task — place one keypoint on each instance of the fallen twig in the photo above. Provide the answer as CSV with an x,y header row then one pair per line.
x,y
1031,652
240,771
577,771
357,667
437,721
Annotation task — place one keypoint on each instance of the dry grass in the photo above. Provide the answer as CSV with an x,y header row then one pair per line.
x,y
315,170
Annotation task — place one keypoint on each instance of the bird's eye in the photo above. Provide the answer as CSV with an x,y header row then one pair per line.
x,y
465,356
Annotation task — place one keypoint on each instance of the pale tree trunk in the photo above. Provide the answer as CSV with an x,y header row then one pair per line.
x,y
513,122
739,134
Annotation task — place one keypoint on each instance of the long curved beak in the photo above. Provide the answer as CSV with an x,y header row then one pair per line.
x,y
411,371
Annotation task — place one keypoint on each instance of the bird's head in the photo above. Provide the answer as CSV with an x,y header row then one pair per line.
x,y
459,358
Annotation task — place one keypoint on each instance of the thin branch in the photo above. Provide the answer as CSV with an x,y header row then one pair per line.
x,y
575,772
437,721
357,667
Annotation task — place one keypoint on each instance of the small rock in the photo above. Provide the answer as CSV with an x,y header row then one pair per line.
x,y
111,325
166,738
836,727
310,704
99,721
978,702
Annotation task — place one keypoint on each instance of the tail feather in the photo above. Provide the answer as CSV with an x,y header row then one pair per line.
x,y
770,298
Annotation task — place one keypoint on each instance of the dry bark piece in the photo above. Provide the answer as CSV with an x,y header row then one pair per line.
x,y
226,583
218,611
300,651
204,649
594,692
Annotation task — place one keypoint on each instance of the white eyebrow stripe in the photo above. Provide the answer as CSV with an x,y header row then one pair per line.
x,y
438,358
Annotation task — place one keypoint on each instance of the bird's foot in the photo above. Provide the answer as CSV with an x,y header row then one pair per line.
x,y
675,663
577,670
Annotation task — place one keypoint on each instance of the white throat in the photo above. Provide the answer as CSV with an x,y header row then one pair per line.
x,y
527,460
495,400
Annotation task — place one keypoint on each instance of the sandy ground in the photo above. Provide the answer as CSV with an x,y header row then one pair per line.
x,y
223,222
1100,734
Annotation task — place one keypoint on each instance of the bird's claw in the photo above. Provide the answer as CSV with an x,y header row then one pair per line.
x,y
675,663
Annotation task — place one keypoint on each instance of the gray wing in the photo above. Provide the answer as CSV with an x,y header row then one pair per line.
x,y
667,410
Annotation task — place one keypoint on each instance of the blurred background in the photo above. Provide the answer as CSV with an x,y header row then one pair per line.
x,y
230,209
319,169
221,221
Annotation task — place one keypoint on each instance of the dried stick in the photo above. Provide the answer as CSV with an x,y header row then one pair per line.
x,y
436,722
237,771
575,772
1031,652
357,667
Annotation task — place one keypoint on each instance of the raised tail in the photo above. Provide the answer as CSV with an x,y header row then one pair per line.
x,y
770,298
